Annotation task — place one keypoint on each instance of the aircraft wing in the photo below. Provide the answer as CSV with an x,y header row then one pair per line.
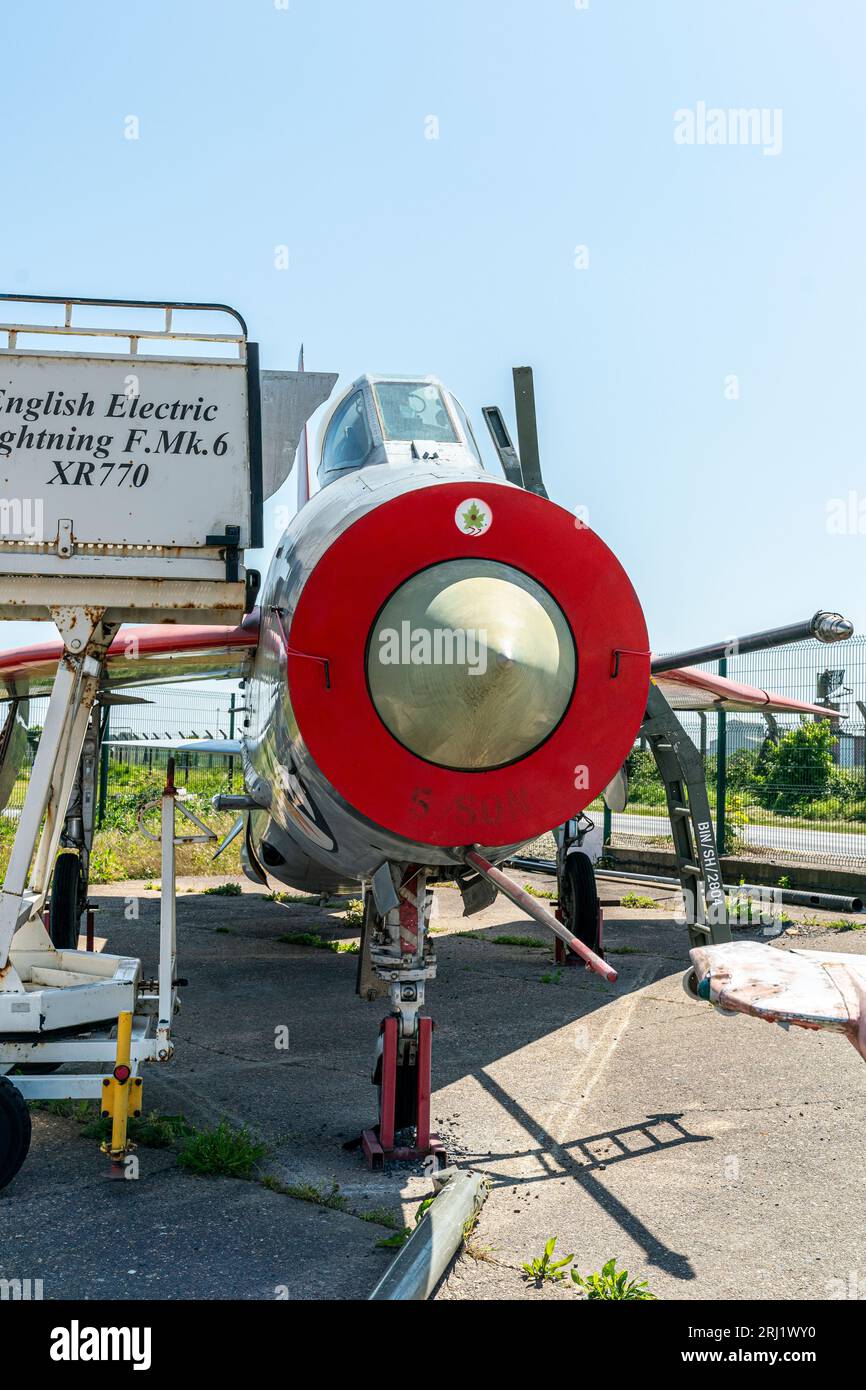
x,y
150,655
168,652
224,747
690,689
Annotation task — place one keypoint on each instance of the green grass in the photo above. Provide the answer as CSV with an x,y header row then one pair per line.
x,y
332,1197
637,900
223,890
320,943
553,977
152,1131
402,1235
624,951
84,1111
539,892
299,899
544,1269
354,913
534,943
222,1152
844,816
611,1283
305,938
123,853
381,1216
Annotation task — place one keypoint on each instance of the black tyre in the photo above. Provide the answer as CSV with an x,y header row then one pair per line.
x,y
66,901
578,899
14,1130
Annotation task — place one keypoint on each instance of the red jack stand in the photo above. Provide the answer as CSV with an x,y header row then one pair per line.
x,y
563,956
378,1143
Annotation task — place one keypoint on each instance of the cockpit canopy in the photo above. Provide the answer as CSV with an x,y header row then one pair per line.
x,y
414,410
391,420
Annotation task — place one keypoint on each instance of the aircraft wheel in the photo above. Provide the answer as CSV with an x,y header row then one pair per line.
x,y
578,899
14,1130
66,898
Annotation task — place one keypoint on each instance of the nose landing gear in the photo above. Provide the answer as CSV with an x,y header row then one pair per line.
x,y
397,959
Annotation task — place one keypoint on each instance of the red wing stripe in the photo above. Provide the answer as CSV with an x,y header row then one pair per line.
x,y
724,689
158,639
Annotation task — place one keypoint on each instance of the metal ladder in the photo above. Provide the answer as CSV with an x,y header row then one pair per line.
x,y
682,772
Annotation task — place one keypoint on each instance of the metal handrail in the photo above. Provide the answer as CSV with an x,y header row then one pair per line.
x,y
168,307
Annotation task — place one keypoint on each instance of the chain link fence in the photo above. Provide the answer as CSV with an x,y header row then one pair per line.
x,y
786,788
133,766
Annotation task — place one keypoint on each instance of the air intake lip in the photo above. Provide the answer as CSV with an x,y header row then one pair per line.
x,y
343,734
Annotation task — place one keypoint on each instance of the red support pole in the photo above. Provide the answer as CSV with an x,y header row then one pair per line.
x,y
538,912
389,1083
565,957
425,1053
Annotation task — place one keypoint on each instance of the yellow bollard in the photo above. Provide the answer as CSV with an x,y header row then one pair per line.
x,y
121,1095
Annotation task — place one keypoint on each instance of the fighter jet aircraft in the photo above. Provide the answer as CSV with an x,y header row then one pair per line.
x,y
442,665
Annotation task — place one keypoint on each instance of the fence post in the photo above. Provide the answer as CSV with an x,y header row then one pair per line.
x,y
231,735
103,770
721,768
606,832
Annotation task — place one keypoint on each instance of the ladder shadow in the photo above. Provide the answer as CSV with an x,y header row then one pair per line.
x,y
569,1159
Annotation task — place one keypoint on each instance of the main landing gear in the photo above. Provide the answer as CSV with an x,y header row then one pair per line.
x,y
578,907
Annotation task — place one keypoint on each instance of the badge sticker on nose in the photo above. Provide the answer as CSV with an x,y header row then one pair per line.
x,y
473,517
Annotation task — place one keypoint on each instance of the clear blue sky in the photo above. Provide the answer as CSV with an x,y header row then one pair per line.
x,y
262,126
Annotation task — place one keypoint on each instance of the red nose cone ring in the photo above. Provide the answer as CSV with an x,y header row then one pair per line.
x,y
387,782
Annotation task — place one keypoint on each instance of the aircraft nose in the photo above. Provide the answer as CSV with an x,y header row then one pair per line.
x,y
471,664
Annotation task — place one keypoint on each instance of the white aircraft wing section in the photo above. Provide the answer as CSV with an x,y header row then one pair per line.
x,y
812,989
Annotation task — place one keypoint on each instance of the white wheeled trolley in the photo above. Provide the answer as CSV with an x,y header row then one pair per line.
x,y
130,484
